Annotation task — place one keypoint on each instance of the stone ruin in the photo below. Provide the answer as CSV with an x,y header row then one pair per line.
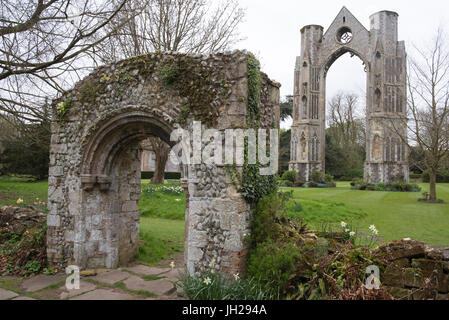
x,y
94,175
384,58
415,271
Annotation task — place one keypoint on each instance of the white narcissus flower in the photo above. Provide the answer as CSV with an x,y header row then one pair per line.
x,y
236,276
172,264
373,229
343,224
207,281
347,230
352,233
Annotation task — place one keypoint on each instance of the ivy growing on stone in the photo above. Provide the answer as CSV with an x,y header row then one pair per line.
x,y
254,186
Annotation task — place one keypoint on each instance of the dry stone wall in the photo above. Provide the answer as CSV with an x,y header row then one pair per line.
x,y
415,271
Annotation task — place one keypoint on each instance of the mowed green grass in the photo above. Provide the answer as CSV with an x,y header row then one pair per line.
x,y
160,205
12,189
396,215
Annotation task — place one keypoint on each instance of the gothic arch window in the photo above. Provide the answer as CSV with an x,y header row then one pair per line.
x,y
376,148
377,99
293,146
303,146
387,149
304,107
393,149
315,148
403,152
304,64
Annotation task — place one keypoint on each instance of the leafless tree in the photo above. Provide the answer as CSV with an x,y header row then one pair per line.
x,y
428,106
190,26
46,46
344,116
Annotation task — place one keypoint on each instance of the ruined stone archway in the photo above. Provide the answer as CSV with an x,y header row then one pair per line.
x,y
384,58
94,175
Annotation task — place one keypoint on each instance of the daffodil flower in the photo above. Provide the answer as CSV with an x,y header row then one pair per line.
x,y
207,281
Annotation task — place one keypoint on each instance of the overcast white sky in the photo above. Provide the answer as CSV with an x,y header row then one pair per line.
x,y
272,32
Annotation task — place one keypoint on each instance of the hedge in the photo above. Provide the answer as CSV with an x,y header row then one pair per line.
x,y
167,175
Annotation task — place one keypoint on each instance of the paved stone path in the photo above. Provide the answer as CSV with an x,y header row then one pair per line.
x,y
136,282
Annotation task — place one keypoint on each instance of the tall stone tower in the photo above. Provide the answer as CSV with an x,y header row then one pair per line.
x,y
384,58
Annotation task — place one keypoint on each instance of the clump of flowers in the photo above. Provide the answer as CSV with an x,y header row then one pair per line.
x,y
373,229
347,230
173,190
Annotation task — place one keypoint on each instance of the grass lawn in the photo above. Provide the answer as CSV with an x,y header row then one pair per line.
x,y
163,238
395,214
12,189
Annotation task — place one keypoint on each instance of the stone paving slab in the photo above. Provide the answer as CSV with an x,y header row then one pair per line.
x,y
41,281
103,294
84,287
158,287
146,270
111,277
23,298
6,294
174,274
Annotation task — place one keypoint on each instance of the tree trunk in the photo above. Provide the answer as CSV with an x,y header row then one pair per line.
x,y
161,151
433,185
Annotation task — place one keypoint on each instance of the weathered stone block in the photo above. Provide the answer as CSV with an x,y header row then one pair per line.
x,y
130,206
56,171
428,266
53,220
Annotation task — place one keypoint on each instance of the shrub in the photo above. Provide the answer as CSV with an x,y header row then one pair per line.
x,y
355,173
289,176
398,186
299,183
381,186
272,264
167,175
22,155
287,183
328,179
356,181
263,226
317,177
